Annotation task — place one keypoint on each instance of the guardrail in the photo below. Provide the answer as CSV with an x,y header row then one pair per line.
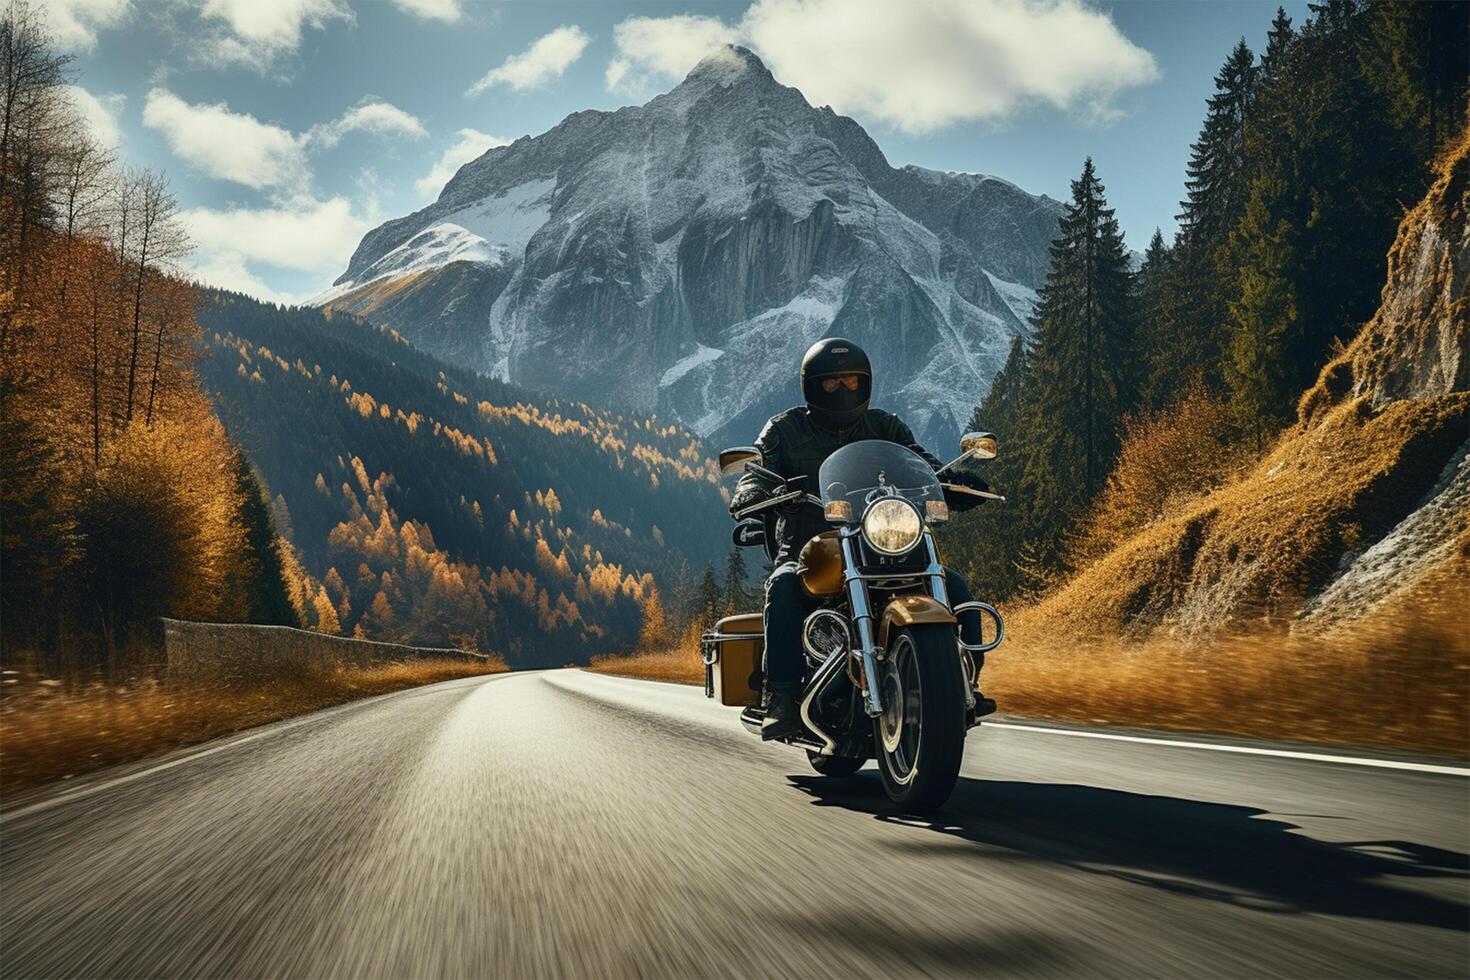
x,y
248,654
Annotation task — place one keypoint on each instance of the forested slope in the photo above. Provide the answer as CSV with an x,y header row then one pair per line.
x,y
1360,498
430,504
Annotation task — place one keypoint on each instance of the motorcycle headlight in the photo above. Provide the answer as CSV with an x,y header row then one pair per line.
x,y
892,526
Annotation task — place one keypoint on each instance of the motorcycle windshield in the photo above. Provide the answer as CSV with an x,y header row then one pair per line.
x,y
861,472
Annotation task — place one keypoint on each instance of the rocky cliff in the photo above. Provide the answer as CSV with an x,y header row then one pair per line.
x,y
679,256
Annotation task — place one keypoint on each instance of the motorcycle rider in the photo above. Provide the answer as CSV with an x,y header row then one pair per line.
x,y
836,381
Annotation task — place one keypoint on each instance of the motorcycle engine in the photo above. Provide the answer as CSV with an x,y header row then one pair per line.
x,y
824,633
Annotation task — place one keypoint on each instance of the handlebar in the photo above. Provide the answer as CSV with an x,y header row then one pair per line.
x,y
777,501
957,488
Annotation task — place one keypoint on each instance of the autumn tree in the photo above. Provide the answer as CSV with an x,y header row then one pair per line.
x,y
654,633
123,498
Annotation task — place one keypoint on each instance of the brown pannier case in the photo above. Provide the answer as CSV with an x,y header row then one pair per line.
x,y
732,659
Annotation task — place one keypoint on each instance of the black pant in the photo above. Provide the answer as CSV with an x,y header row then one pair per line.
x,y
788,605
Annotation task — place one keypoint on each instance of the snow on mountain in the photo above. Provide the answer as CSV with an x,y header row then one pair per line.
x,y
679,256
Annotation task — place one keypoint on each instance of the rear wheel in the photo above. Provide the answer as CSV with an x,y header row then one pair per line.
x,y
834,765
920,736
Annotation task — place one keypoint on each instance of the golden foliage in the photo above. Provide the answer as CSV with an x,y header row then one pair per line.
x,y
1167,461
654,634
1258,547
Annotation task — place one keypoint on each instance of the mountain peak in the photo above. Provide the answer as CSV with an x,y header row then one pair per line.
x,y
728,64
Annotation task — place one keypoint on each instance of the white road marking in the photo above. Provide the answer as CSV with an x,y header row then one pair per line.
x,y
1349,760
229,742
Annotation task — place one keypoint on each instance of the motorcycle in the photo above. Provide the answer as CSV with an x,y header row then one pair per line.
x,y
886,674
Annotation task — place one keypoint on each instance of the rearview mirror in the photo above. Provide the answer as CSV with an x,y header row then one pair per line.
x,y
978,445
973,445
734,460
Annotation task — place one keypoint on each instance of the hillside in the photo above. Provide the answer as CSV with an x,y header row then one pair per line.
x,y
679,257
1363,502
431,505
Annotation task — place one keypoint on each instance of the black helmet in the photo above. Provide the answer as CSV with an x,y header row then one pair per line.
x,y
831,358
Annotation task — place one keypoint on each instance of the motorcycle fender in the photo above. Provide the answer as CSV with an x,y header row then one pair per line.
x,y
906,610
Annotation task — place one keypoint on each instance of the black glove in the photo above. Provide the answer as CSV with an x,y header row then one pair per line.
x,y
795,507
961,502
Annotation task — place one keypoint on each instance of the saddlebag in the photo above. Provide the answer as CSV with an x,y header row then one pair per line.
x,y
732,659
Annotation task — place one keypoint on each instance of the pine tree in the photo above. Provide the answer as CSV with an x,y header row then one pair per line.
x,y
1278,41
737,584
1190,332
1158,352
1216,184
1000,413
984,542
1082,365
1264,312
1417,57
1330,161
261,572
710,597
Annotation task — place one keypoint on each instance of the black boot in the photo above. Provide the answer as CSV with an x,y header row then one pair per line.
x,y
783,717
983,705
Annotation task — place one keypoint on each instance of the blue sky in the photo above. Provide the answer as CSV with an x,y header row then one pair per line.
x,y
289,127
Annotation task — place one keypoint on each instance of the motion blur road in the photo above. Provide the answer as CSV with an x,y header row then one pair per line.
x,y
564,823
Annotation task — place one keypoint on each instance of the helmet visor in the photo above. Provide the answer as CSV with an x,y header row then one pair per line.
x,y
849,381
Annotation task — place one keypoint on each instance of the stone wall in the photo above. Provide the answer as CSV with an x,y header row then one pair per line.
x,y
239,653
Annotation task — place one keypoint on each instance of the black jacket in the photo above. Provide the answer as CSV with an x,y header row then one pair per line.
x,y
794,445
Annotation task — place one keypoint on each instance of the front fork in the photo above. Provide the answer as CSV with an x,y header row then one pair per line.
x,y
862,616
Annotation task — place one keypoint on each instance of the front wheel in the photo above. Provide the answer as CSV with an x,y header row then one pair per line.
x,y
920,736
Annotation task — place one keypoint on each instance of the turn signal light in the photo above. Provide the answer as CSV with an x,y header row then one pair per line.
x,y
936,511
837,510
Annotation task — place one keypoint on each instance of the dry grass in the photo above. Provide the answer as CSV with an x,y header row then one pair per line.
x,y
1395,681
1258,547
682,666
1400,680
49,733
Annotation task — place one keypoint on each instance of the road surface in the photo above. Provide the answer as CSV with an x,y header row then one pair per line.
x,y
569,824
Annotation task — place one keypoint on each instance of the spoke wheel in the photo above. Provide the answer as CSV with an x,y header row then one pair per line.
x,y
920,736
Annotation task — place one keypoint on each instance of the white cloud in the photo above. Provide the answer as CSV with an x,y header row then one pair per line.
x,y
304,234
75,23
373,116
260,31
236,146
664,46
99,114
545,60
471,144
918,65
445,10
227,270
228,145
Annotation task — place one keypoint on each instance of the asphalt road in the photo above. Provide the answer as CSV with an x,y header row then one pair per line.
x,y
569,824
